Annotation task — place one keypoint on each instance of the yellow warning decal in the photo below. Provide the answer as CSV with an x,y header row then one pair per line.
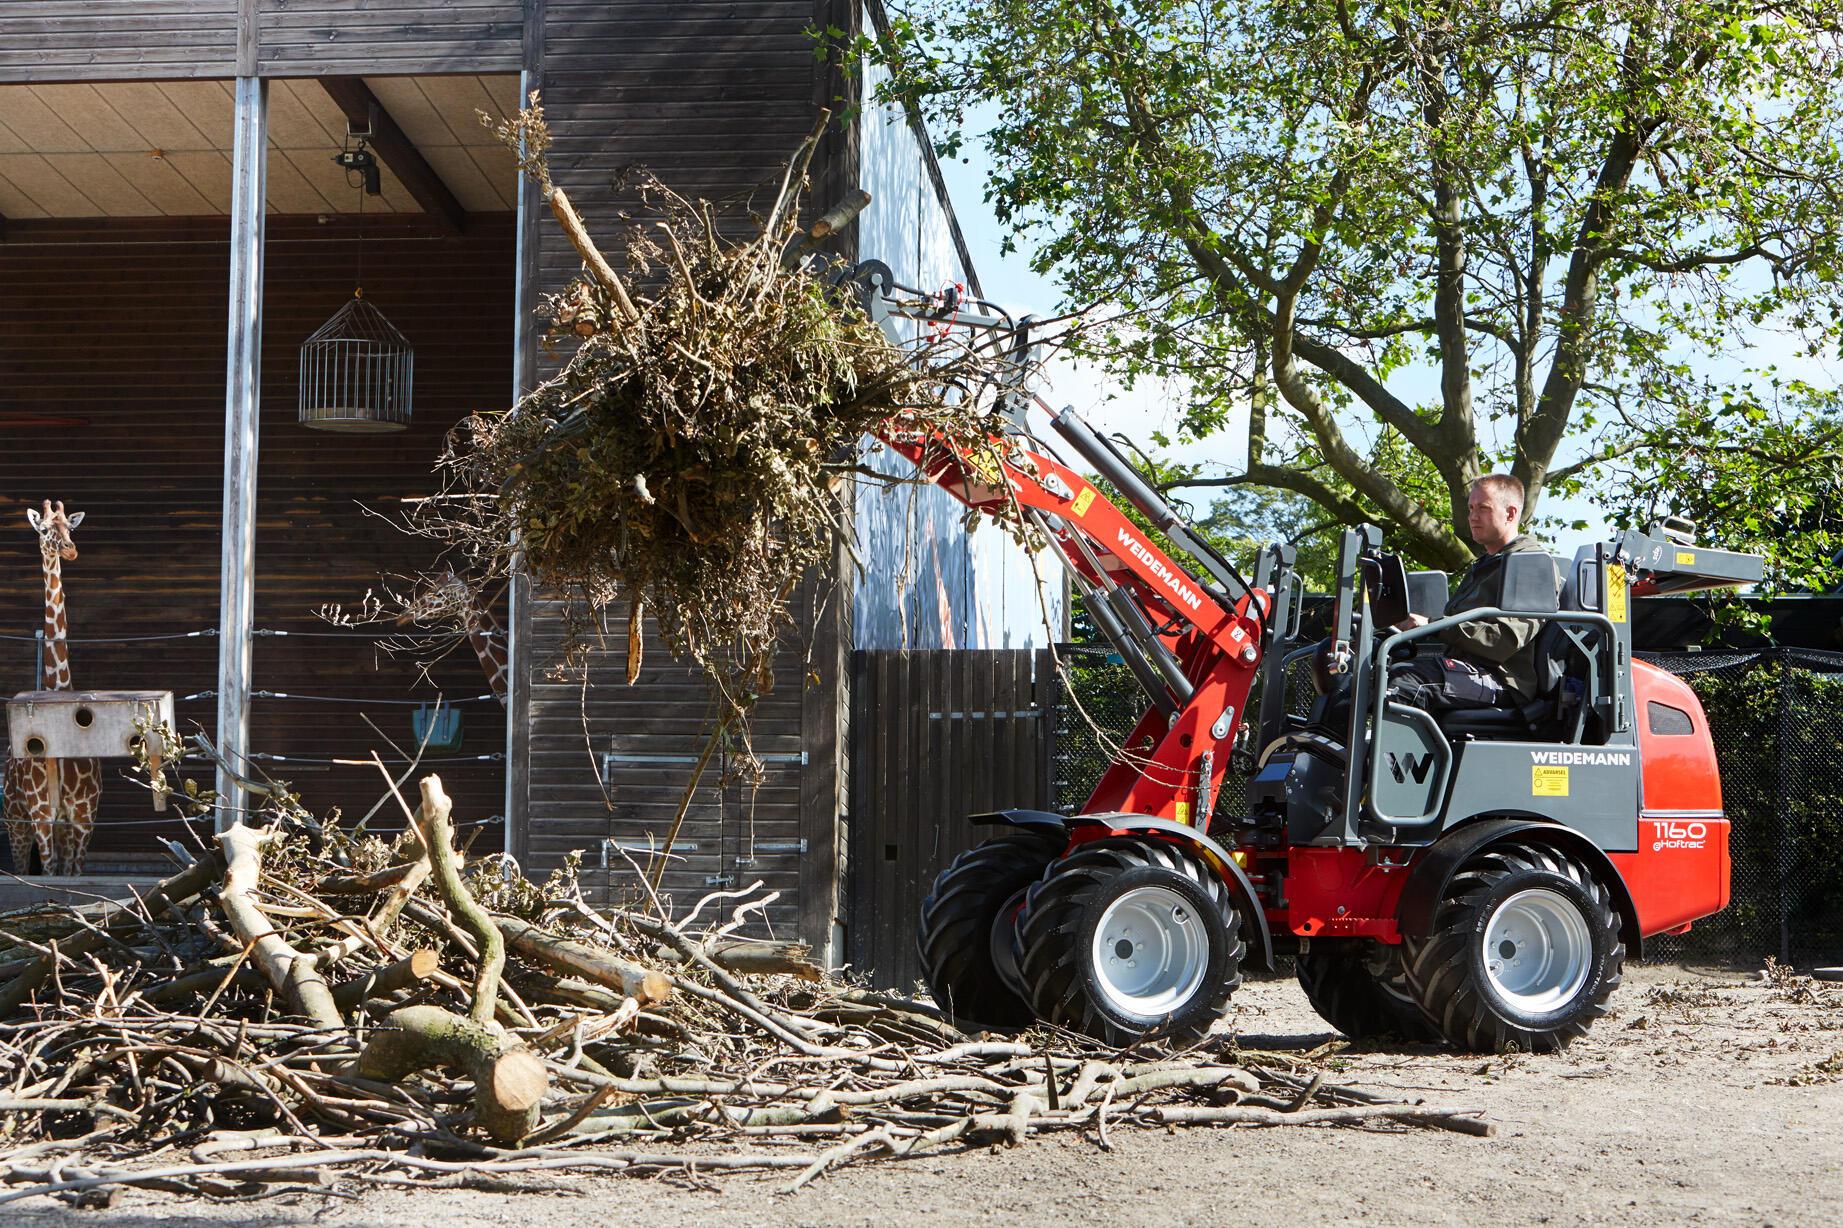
x,y
1083,501
1686,558
1183,810
1548,781
1615,592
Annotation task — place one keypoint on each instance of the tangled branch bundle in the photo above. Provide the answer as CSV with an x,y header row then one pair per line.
x,y
302,1005
688,456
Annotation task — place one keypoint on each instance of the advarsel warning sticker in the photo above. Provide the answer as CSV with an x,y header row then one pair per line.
x,y
1548,781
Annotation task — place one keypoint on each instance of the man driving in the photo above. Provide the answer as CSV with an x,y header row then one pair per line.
x,y
1489,663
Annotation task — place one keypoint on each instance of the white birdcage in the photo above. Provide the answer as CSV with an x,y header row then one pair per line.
x,y
356,372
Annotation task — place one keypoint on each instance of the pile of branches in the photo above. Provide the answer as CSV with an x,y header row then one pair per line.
x,y
302,1006
688,457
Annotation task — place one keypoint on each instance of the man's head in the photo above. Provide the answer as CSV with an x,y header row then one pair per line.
x,y
1492,511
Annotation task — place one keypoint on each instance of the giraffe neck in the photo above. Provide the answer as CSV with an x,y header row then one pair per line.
x,y
57,650
489,646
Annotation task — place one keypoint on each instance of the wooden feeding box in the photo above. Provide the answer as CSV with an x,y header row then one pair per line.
x,y
82,724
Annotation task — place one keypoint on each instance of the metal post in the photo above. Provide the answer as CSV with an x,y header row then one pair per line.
x,y
524,376
242,404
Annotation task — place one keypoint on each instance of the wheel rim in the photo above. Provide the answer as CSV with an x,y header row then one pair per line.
x,y
1150,951
1538,950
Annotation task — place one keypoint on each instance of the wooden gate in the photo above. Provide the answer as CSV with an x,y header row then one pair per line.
x,y
935,737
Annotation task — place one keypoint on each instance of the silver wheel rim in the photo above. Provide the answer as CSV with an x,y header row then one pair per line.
x,y
1150,952
1537,950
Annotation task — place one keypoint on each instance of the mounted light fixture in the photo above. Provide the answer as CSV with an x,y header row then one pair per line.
x,y
357,369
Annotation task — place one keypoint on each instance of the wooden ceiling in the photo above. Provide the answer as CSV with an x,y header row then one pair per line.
x,y
154,149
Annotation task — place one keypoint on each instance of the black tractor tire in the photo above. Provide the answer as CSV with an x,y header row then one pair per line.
x,y
1359,987
1057,942
1464,988
954,936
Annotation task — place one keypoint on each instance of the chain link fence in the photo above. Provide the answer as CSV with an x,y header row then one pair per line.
x,y
1776,717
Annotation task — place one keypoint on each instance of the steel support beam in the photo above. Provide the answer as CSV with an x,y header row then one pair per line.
x,y
396,151
242,409
524,378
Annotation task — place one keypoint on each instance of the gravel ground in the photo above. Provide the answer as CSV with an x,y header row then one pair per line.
x,y
1709,1098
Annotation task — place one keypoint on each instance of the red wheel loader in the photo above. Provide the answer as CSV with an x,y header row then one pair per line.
x,y
1476,876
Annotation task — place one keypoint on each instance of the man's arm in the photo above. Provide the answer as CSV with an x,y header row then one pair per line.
x,y
1493,639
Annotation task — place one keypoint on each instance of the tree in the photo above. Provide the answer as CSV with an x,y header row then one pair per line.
x,y
1420,240
1764,478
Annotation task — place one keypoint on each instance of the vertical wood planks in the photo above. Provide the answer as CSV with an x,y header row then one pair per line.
x,y
936,738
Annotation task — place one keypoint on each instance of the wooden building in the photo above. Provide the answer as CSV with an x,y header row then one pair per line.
x,y
173,226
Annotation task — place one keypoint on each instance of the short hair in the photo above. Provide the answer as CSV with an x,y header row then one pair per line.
x,y
1503,484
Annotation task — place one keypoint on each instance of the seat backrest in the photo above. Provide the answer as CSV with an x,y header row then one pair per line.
x,y
1531,581
1428,593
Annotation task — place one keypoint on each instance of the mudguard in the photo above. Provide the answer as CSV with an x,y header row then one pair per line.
x,y
1253,916
1434,868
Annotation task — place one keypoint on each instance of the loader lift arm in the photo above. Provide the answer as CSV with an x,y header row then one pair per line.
x,y
1193,644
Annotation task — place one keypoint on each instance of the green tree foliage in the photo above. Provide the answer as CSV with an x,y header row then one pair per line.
x,y
1767,479
1421,240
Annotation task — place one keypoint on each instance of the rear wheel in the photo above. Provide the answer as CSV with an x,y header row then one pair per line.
x,y
965,932
1358,986
1524,955
1122,940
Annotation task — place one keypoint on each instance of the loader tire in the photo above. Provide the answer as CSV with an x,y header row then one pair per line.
x,y
964,935
1125,940
1524,953
1358,986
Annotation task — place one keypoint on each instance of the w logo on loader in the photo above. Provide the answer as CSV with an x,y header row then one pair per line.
x,y
1404,766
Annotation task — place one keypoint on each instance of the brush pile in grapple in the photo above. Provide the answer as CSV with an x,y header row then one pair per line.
x,y
688,457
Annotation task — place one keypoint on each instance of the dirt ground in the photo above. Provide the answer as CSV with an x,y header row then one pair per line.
x,y
1709,1098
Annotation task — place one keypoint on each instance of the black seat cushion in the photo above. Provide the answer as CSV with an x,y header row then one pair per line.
x,y
1494,722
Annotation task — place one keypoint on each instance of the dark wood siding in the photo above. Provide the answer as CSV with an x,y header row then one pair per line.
x,y
112,341
298,38
713,97
113,40
937,737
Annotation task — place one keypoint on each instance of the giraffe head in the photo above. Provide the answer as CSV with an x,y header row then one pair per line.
x,y
53,528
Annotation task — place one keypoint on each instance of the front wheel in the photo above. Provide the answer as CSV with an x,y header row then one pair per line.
x,y
964,936
1123,940
1525,952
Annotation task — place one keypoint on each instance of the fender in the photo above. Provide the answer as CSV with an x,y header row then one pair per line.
x,y
1434,869
1253,916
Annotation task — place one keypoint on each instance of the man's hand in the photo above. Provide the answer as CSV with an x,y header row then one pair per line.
x,y
1410,623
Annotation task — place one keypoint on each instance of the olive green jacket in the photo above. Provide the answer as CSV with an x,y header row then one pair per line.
x,y
1508,644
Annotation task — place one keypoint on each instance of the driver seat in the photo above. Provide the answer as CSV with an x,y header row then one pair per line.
x,y
1536,583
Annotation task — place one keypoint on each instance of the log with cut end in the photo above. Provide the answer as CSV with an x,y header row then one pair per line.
x,y
647,985
412,968
509,1079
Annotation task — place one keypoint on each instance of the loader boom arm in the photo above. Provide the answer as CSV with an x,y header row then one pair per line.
x,y
1194,644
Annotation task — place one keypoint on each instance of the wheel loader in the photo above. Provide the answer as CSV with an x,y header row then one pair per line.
x,y
1476,876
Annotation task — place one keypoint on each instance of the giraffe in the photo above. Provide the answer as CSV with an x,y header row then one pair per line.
x,y
447,598
51,803
486,636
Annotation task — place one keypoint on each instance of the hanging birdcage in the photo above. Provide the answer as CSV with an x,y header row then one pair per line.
x,y
356,371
